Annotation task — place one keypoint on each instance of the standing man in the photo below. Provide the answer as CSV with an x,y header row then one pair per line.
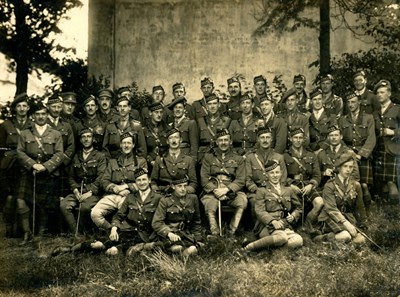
x,y
84,176
299,84
387,152
122,124
106,111
187,127
118,181
332,103
10,168
235,92
261,87
200,106
222,178
277,209
358,129
209,124
68,110
127,93
40,152
179,93
157,97
92,120
172,164
269,119
368,100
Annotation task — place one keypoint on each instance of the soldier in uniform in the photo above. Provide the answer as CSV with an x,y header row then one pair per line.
x,y
67,113
177,220
235,91
332,103
269,119
200,106
40,152
127,92
277,209
179,93
343,204
118,181
106,112
172,164
244,128
368,100
293,117
256,176
299,83
54,105
187,127
328,156
92,120
10,168
261,88
157,97
320,120
84,176
304,176
358,129
123,124
209,124
154,132
387,152
222,178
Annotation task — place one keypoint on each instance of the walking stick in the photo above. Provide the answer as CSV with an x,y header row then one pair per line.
x,y
34,204
369,238
219,207
79,212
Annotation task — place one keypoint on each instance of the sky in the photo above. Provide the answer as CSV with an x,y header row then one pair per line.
x,y
74,34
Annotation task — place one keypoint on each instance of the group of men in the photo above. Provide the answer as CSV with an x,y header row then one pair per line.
x,y
120,169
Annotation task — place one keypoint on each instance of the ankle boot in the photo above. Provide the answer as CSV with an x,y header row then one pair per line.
x,y
236,220
213,223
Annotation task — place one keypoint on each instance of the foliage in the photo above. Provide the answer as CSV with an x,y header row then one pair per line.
x,y
27,35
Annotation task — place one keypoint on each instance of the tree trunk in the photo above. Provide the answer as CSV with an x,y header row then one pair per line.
x,y
22,47
324,37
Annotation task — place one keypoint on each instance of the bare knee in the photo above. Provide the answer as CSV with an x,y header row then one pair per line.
x,y
318,203
343,236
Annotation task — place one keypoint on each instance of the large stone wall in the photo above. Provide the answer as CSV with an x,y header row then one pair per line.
x,y
165,41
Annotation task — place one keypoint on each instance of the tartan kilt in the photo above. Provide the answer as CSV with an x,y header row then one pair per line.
x,y
366,174
47,190
385,165
331,226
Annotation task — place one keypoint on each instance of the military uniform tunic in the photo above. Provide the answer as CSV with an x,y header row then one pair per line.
x,y
244,135
189,134
319,129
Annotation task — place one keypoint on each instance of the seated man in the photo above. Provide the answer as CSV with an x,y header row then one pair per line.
x,y
304,176
118,181
343,204
84,176
222,177
277,208
177,220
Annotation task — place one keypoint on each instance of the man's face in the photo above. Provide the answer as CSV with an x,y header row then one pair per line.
x,y
246,106
274,175
299,86
158,96
353,104
90,108
297,140
105,103
40,117
207,89
180,189
213,106
55,109
68,108
234,89
224,142
260,87
266,107
335,138
346,169
291,102
179,110
22,108
317,102
124,108
383,95
156,115
174,140
127,145
360,82
265,140
87,140
179,93
326,86
143,182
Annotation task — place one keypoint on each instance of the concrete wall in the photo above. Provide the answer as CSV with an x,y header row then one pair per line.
x,y
165,41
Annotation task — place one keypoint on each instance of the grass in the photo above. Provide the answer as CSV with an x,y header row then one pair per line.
x,y
218,270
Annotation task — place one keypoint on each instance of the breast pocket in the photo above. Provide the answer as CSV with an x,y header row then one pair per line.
x,y
49,144
133,212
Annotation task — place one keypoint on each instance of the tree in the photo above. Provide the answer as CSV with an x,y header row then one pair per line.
x,y
26,28
281,15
